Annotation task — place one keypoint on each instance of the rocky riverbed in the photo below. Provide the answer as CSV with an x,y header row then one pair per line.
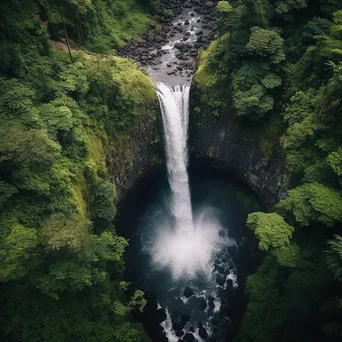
x,y
170,51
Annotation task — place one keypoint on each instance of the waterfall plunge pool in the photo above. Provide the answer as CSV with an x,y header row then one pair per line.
x,y
203,307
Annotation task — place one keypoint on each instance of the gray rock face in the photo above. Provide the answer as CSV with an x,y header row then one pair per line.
x,y
224,143
131,157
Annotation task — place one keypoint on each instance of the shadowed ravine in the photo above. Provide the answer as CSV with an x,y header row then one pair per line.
x,y
186,250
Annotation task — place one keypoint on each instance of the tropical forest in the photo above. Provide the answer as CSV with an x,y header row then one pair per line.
x,y
170,170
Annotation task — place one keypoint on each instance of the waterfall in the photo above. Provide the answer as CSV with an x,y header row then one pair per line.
x,y
186,245
174,104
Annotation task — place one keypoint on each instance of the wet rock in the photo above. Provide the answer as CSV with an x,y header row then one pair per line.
x,y
229,285
220,270
187,5
202,304
202,333
179,333
199,32
225,258
220,279
158,39
187,22
178,325
179,45
187,33
188,292
160,316
209,4
188,337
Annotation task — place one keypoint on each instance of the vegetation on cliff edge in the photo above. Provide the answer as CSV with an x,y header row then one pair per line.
x,y
61,261
278,63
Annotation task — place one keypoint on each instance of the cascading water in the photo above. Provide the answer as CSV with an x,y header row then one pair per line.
x,y
187,246
184,254
174,103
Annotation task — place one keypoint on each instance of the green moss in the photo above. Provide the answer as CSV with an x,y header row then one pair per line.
x,y
206,76
79,194
209,74
96,155
268,134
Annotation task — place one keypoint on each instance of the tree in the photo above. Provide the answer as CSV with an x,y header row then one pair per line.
x,y
251,86
335,161
270,229
266,43
288,255
61,231
228,17
103,204
17,252
312,202
285,6
334,256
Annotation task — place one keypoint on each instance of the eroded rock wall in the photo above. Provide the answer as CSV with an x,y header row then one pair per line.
x,y
226,145
131,156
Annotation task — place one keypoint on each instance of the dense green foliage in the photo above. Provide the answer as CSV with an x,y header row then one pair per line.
x,y
61,261
278,63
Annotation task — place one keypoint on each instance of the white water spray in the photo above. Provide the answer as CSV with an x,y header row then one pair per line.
x,y
187,246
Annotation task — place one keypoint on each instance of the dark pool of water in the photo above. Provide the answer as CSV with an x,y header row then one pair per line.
x,y
205,308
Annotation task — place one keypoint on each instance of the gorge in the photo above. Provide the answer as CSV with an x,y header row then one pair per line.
x,y
187,250
170,170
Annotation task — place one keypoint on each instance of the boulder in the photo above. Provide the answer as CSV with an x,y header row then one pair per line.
x,y
220,279
202,333
188,292
188,337
158,39
178,326
179,45
179,333
209,4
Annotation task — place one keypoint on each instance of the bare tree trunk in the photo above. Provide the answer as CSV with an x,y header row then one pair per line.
x,y
66,34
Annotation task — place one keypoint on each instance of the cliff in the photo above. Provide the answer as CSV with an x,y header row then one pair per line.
x,y
131,156
228,144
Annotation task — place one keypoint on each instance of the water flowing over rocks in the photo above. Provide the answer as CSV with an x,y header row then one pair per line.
x,y
169,53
